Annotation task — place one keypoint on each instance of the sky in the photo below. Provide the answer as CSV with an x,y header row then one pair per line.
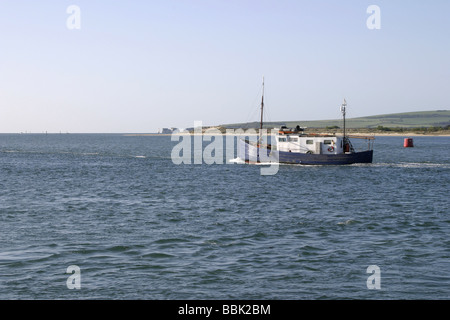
x,y
136,66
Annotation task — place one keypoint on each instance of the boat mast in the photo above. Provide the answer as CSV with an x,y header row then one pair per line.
x,y
343,106
262,112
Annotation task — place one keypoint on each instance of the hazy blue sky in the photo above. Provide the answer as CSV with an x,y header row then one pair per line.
x,y
135,66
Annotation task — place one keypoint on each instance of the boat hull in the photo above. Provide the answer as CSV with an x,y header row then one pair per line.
x,y
251,153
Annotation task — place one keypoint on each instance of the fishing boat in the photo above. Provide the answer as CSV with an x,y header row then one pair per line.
x,y
294,146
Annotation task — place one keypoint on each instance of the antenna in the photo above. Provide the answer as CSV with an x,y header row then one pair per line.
x,y
343,107
262,112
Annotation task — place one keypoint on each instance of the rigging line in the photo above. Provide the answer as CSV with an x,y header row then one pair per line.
x,y
252,111
267,115
266,112
251,117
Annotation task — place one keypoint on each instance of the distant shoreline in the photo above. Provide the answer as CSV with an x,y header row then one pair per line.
x,y
393,134
371,134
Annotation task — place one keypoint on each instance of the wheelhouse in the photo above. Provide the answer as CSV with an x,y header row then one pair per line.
x,y
311,144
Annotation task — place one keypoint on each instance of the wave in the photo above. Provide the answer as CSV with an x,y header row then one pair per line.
x,y
241,161
412,165
237,160
10,151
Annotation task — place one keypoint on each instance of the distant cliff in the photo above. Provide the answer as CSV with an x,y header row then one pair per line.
x,y
422,119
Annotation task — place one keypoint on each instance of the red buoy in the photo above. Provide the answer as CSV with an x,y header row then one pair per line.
x,y
408,143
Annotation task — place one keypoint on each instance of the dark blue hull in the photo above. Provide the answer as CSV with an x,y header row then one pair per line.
x,y
250,153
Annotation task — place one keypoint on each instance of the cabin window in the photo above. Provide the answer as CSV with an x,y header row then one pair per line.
x,y
309,141
293,139
282,139
326,141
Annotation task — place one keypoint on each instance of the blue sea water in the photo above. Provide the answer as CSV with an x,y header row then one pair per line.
x,y
139,226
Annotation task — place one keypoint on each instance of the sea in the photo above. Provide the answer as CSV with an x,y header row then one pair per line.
x,y
113,216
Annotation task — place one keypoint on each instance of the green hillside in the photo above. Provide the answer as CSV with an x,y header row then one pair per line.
x,y
439,118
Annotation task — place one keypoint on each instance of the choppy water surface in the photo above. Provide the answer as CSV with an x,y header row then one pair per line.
x,y
140,227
